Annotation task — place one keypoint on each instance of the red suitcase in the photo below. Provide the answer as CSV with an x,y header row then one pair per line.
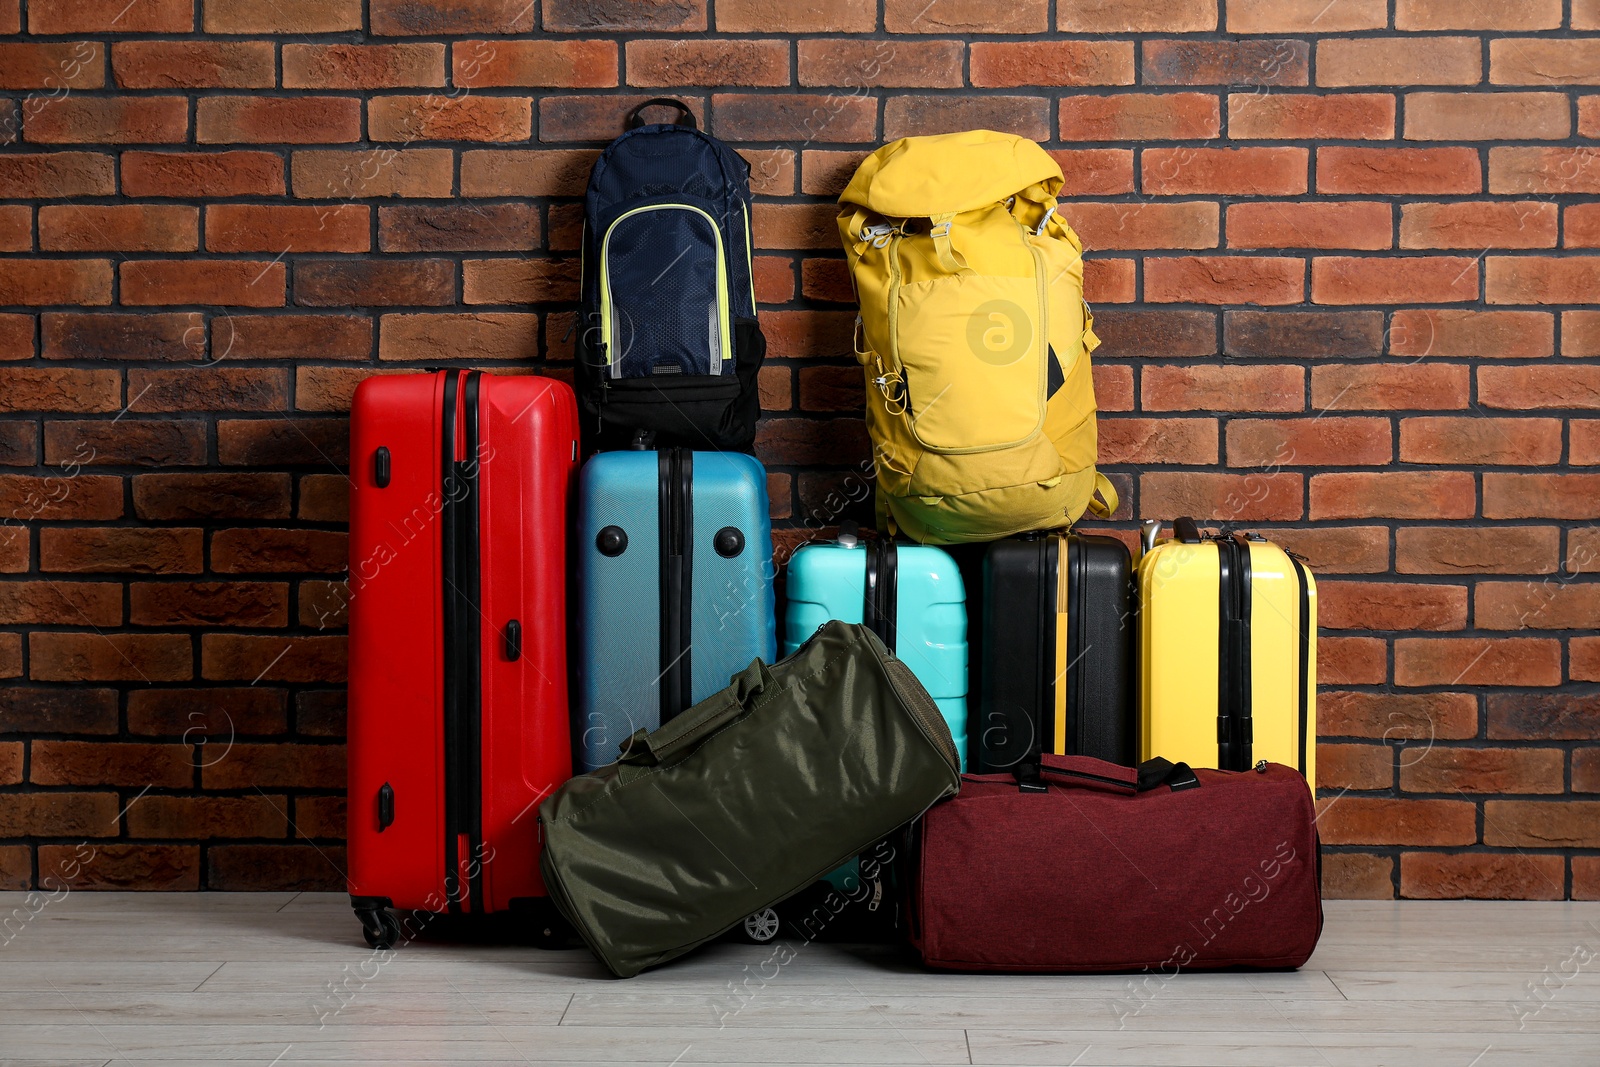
x,y
461,484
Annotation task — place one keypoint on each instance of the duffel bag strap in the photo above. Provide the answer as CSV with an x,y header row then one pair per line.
x,y
1086,772
1157,771
698,723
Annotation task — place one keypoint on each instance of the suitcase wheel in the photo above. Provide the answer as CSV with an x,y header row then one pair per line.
x,y
381,929
762,926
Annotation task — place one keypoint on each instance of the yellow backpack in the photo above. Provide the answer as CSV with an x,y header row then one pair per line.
x,y
975,338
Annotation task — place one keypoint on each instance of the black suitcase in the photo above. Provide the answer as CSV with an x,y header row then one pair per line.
x,y
1044,690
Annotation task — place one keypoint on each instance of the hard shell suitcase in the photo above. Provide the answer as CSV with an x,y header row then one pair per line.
x,y
911,596
460,494
675,587
1228,651
1057,658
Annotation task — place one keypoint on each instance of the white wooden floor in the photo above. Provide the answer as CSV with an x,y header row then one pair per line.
x,y
283,979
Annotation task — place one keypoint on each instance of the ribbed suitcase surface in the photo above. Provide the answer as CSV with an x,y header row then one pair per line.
x,y
458,723
675,587
1047,687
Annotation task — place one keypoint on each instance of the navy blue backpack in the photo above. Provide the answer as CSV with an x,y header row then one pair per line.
x,y
668,344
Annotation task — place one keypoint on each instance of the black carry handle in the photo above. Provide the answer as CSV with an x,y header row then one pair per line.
x,y
685,116
1186,530
1090,773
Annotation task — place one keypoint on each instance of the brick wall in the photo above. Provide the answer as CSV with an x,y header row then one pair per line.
x,y
1340,254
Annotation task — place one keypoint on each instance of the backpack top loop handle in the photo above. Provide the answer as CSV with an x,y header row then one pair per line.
x,y
685,116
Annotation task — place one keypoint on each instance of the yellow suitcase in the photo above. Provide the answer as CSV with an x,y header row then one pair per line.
x,y
1227,651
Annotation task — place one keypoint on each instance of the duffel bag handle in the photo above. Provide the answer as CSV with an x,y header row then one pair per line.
x,y
1086,772
685,116
645,749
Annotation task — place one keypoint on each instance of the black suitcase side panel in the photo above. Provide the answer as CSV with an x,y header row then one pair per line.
x,y
1016,658
1101,713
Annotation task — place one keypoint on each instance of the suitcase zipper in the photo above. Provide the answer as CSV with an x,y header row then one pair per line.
x,y
675,469
1234,696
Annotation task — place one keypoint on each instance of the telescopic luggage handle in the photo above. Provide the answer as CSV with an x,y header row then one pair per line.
x,y
685,116
644,749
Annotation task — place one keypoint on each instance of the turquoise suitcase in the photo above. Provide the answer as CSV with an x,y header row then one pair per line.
x,y
911,596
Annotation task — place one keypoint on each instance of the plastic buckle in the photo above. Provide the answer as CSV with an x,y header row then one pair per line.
x,y
941,229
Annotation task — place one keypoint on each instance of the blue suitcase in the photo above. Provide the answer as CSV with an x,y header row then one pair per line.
x,y
675,588
911,596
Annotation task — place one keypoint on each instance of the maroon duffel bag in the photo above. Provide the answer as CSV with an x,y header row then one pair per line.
x,y
1082,865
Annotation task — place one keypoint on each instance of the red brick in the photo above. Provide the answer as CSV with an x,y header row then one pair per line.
x,y
1352,660
1357,876
59,66
59,389
1399,61
880,64
1354,767
1580,333
830,389
50,603
193,64
109,120
965,16
1532,387
202,818
1169,333
195,174
1530,61
1417,171
119,227
11,22
1478,225
696,62
438,117
1295,116
1541,279
1213,388
19,447
1140,117
301,17
743,117
16,228
907,116
1113,387
1484,771
1547,605
57,175
1516,169
795,226
292,336
652,15
1391,606
1347,820
320,817
386,172
434,17
355,66
1499,16
1581,227
75,657
1259,62
1584,664
28,497
1147,441
1480,876
1589,116
208,389
1479,334
374,283
1345,224
600,118
1223,497
1224,280
807,333
55,281
456,227
1190,224
79,815
1229,171
241,657
331,388
285,442
1339,549
110,763
120,551
208,604
126,442
16,337
1486,116
777,390
1093,171
772,170
805,442
94,16
478,336
244,283
1540,823
1550,716
1320,442
1585,14
1522,661
1475,441
1585,446
820,279
1556,496
277,119
201,716
1394,494
1371,280
10,774
10,655
1027,64
324,605
179,497
267,551
278,867
522,172
111,336
1136,16
1476,550
518,281
1398,717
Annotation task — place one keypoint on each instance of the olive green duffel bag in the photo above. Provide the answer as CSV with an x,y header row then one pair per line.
x,y
744,799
